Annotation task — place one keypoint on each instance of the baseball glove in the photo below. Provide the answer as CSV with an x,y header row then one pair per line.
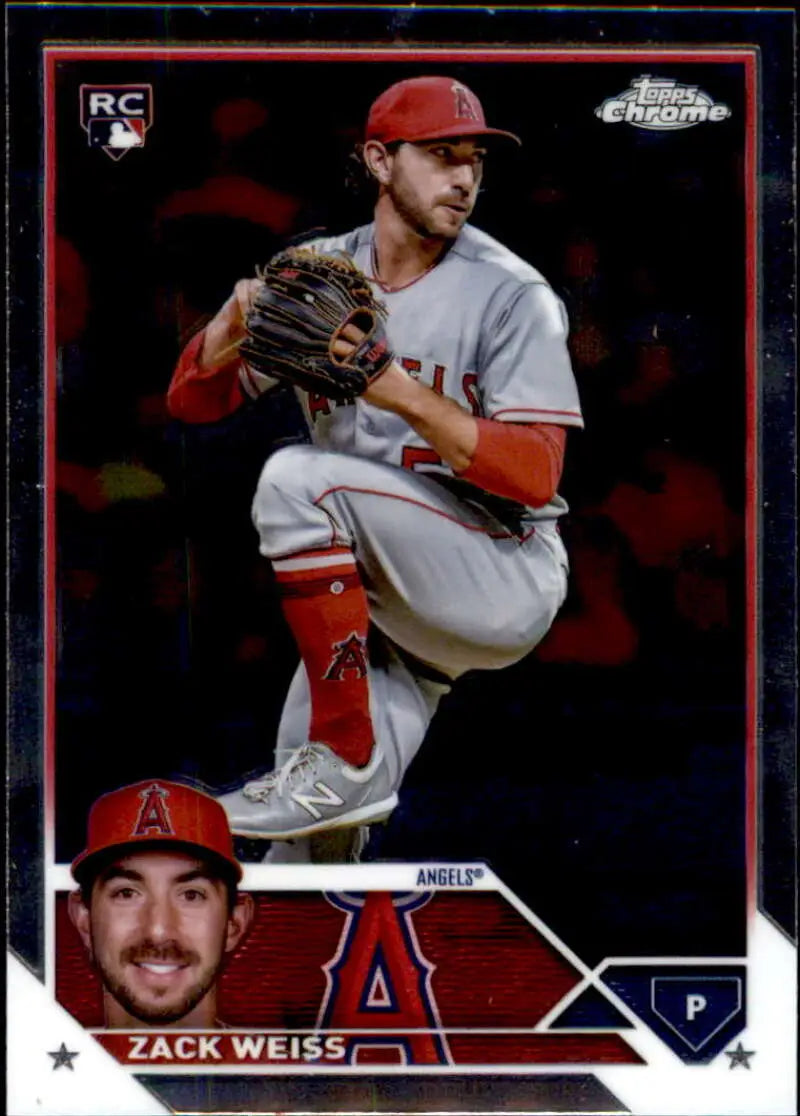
x,y
304,302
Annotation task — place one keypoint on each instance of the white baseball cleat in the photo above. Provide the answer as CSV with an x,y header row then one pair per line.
x,y
315,790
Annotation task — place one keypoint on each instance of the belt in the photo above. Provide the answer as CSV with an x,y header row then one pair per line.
x,y
508,513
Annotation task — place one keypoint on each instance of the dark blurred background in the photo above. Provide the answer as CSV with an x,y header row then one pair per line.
x,y
603,776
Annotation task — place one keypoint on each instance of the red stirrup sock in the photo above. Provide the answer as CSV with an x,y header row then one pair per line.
x,y
326,607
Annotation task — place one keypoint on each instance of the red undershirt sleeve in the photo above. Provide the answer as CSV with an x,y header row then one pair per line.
x,y
197,395
522,463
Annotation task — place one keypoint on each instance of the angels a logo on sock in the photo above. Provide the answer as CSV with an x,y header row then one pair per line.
x,y
116,117
348,655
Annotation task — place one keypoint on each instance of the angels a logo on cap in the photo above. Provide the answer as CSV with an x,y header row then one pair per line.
x,y
464,106
153,813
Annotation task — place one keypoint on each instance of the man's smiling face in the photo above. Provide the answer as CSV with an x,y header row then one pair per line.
x,y
157,926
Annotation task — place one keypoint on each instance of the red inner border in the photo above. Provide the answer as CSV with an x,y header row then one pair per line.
x,y
745,55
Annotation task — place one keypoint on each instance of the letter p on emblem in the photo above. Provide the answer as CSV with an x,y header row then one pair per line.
x,y
695,1003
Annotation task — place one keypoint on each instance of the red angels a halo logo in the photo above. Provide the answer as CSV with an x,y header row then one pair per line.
x,y
379,983
464,107
349,654
153,813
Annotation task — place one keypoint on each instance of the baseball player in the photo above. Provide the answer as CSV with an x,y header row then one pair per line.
x,y
157,906
416,538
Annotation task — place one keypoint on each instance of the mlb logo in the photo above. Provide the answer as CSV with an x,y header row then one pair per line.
x,y
116,117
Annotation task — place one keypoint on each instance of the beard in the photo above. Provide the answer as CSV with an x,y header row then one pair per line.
x,y
427,221
149,1010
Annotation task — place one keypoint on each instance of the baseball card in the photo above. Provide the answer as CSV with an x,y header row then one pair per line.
x,y
402,544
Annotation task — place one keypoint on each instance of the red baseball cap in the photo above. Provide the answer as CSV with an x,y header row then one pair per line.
x,y
157,812
427,108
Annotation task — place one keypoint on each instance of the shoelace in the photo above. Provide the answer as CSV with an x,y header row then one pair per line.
x,y
295,766
258,789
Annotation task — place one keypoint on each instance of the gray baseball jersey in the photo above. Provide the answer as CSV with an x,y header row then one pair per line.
x,y
482,327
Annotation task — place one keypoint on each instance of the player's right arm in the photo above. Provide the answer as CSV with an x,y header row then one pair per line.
x,y
211,380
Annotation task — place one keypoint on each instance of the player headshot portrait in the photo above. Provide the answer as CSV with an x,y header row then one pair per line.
x,y
157,907
437,407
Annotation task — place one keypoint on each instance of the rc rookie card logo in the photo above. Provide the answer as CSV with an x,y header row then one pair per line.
x,y
116,117
661,105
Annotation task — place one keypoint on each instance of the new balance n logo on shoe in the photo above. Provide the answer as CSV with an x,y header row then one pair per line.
x,y
349,654
314,790
325,797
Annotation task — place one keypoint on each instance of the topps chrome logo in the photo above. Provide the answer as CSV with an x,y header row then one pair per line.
x,y
116,117
661,105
